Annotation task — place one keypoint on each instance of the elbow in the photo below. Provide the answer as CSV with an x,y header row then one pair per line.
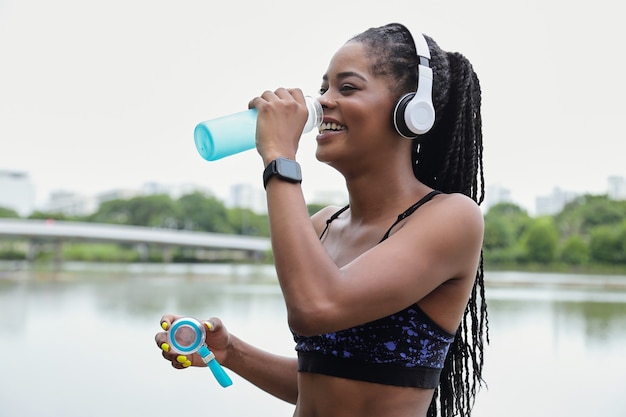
x,y
306,322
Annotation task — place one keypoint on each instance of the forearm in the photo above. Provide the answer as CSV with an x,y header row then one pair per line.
x,y
277,375
304,269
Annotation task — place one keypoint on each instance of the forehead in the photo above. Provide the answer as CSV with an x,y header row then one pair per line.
x,y
350,58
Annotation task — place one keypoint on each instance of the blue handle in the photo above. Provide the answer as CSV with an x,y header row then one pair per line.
x,y
218,372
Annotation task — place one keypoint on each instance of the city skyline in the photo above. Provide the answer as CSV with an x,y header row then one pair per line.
x,y
87,108
247,195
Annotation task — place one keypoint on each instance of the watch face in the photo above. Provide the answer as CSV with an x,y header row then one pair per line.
x,y
288,168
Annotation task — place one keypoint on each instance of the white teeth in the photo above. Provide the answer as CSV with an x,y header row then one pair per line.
x,y
331,126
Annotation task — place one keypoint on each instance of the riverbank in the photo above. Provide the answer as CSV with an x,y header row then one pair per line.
x,y
553,279
21,270
265,273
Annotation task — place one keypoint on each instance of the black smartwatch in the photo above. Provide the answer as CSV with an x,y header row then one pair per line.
x,y
284,169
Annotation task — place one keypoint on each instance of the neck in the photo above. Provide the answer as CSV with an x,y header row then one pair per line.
x,y
374,196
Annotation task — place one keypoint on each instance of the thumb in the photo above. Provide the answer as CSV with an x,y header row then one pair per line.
x,y
214,327
217,336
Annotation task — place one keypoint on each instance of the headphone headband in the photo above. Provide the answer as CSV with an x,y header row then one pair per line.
x,y
414,113
421,46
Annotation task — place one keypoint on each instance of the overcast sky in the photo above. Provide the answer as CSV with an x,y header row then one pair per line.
x,y
96,95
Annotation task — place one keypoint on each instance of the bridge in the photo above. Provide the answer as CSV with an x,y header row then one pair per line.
x,y
37,232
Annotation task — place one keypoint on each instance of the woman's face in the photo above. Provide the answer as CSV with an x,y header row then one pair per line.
x,y
357,108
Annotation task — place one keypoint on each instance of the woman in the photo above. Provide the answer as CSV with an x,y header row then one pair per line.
x,y
384,296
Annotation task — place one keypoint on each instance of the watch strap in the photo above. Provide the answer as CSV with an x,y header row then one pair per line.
x,y
273,170
269,172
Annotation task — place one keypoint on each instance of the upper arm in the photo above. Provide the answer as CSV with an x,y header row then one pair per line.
x,y
439,242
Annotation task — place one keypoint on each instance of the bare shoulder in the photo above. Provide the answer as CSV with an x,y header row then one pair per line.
x,y
457,207
449,224
320,217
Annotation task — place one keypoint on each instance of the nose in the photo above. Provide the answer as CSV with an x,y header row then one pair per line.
x,y
325,101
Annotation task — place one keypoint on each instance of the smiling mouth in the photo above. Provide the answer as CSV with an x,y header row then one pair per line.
x,y
331,127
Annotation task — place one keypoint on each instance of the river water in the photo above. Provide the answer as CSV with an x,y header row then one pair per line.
x,y
79,342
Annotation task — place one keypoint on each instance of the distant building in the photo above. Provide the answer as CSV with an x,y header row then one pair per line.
x,y
617,188
496,194
71,204
119,194
553,203
153,188
248,197
174,191
17,192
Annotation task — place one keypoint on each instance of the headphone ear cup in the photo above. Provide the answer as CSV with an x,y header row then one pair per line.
x,y
413,116
399,119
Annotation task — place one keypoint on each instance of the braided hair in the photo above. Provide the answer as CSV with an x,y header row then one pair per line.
x,y
449,158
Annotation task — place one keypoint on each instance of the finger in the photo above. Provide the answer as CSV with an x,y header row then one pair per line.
x,y
183,361
269,95
161,341
258,102
283,93
167,320
160,338
214,325
297,94
177,360
253,104
290,95
217,336
177,365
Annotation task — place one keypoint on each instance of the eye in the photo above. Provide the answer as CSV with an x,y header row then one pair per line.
x,y
323,90
347,88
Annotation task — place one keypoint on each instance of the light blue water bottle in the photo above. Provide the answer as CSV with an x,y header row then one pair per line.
x,y
228,135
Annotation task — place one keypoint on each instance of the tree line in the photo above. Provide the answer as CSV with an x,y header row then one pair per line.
x,y
589,231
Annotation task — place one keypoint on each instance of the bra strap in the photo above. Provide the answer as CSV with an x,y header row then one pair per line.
x,y
333,217
410,211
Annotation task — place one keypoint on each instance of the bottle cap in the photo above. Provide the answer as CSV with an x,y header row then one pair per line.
x,y
186,336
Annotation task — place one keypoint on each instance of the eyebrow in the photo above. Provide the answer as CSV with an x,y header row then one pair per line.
x,y
345,74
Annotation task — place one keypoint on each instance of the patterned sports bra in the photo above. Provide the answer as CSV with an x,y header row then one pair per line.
x,y
404,349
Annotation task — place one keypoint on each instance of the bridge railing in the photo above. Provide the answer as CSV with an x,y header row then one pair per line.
x,y
63,231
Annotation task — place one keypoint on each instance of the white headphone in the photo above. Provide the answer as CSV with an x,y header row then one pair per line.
x,y
414,113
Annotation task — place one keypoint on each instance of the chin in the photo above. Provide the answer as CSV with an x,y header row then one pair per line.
x,y
321,156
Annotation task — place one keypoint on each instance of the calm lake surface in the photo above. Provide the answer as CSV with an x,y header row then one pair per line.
x,y
80,342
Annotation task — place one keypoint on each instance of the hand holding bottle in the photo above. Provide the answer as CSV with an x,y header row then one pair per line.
x,y
229,135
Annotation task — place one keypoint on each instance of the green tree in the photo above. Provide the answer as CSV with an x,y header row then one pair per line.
x,y
247,222
621,242
499,233
7,213
588,211
41,215
512,215
314,208
157,210
575,251
608,244
112,211
541,240
198,211
504,225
